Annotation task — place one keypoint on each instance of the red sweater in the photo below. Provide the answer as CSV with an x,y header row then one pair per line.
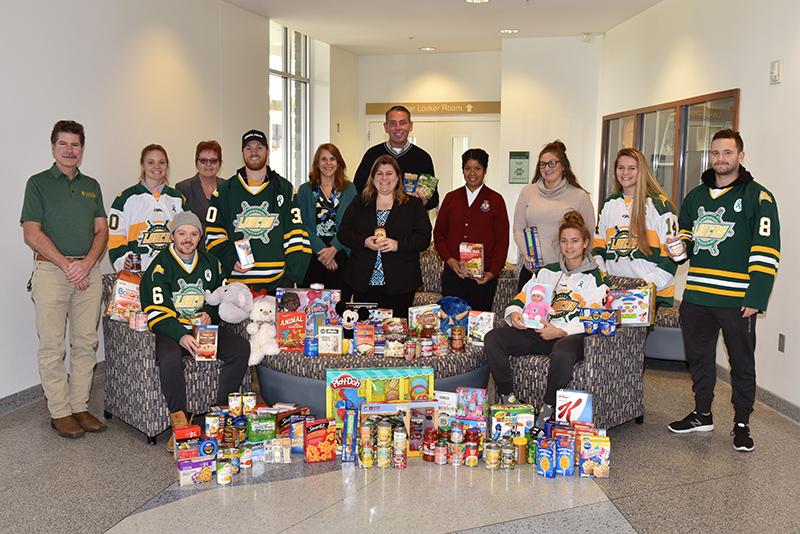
x,y
486,221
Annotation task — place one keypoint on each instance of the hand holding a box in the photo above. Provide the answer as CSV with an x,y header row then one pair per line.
x,y
517,321
239,269
487,275
550,332
458,268
189,342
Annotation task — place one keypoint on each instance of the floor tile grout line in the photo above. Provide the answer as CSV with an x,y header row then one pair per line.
x,y
329,506
142,504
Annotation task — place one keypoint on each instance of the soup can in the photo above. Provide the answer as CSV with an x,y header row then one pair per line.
x,y
367,456
491,455
440,452
471,455
224,472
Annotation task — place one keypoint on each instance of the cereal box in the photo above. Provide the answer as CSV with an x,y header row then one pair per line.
x,y
471,256
207,340
595,454
479,324
291,331
320,440
546,457
195,470
565,455
573,405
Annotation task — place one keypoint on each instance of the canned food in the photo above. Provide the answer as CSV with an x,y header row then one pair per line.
x,y
384,433
472,435
399,459
136,262
491,455
471,455
400,438
367,457
246,458
457,339
444,433
383,457
224,472
248,403
456,432
311,347
520,450
234,404
366,433
507,457
455,453
440,452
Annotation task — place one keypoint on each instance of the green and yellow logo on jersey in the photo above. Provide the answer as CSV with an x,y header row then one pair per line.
x,y
157,236
710,230
622,244
255,222
563,305
189,298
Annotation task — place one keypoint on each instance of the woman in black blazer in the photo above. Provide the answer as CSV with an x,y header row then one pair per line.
x,y
385,230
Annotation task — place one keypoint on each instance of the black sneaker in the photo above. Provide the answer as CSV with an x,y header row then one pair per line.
x,y
694,422
509,399
741,438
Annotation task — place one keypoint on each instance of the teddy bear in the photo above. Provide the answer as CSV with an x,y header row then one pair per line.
x,y
262,329
234,300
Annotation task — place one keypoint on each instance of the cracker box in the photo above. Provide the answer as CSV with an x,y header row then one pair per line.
x,y
414,313
330,340
448,406
533,246
636,306
504,418
319,440
195,470
471,403
297,432
365,339
291,330
479,324
245,253
546,457
471,256
319,305
565,455
573,406
595,452
124,297
207,337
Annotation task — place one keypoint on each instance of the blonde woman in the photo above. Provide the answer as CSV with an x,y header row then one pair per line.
x,y
634,224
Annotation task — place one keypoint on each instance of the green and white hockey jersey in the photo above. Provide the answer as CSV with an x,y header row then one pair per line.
x,y
269,216
616,251
141,221
733,240
172,292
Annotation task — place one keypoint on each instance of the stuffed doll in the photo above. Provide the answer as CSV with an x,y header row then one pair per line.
x,y
536,309
454,312
234,300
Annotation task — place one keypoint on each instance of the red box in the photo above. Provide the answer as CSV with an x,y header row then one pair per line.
x,y
291,331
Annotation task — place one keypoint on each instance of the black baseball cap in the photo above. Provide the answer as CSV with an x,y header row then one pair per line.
x,y
254,135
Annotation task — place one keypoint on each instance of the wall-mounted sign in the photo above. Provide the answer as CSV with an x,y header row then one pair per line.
x,y
518,167
436,108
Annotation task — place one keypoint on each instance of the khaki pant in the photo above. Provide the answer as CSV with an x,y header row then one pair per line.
x,y
56,301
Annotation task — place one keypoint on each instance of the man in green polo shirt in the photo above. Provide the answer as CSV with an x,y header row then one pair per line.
x,y
64,222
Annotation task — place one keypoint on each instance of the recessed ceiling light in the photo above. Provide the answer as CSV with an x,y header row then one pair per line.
x,y
477,1
428,48
509,31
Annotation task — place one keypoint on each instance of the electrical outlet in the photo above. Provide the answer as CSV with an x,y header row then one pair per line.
x,y
781,343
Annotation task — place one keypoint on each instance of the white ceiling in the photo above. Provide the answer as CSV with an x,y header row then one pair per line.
x,y
403,26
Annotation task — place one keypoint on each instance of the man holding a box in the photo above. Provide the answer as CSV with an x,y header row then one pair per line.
x,y
414,162
173,297
729,229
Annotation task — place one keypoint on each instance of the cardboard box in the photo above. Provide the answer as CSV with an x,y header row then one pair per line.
x,y
195,470
448,405
207,337
330,340
508,420
471,256
573,405
124,297
533,246
479,324
637,306
595,453
319,305
471,403
291,331
414,313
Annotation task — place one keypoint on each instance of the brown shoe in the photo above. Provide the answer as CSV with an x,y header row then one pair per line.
x,y
88,422
67,427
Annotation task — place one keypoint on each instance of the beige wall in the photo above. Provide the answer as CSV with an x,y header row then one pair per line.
x,y
133,73
344,123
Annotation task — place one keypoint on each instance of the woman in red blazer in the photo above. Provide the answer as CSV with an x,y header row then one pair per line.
x,y
385,230
472,214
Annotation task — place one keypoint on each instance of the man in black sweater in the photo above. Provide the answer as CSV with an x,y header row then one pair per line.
x,y
412,159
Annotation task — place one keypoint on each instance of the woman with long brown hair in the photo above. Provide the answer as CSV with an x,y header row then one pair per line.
x,y
542,203
323,201
633,227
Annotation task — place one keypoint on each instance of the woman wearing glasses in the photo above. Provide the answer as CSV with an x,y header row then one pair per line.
x,y
199,188
542,203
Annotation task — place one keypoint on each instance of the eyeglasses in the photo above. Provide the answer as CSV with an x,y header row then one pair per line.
x,y
550,164
205,161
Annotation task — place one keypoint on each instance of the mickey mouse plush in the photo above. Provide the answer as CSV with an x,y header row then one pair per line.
x,y
349,316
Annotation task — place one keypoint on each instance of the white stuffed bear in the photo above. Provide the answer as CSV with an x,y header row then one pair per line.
x,y
262,329
235,302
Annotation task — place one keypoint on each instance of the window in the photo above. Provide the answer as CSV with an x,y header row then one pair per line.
x,y
675,138
288,107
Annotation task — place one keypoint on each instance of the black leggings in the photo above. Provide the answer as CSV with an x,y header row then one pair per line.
x,y
503,343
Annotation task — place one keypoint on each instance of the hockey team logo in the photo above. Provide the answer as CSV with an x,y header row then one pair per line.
x,y
189,298
255,222
157,237
622,244
710,230
564,304
207,274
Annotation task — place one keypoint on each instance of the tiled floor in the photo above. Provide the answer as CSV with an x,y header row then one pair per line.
x,y
660,483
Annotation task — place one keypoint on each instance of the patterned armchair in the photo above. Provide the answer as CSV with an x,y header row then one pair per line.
x,y
431,290
612,370
133,385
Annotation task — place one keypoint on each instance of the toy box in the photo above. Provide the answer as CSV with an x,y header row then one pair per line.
x,y
349,435
537,304
636,306
471,423
350,388
330,340
573,405
480,323
595,452
319,305
415,414
124,297
471,256
415,312
319,440
291,330
448,406
508,419
471,403
533,246
195,470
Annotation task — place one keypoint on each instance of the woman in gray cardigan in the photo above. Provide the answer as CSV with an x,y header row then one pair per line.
x,y
323,201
